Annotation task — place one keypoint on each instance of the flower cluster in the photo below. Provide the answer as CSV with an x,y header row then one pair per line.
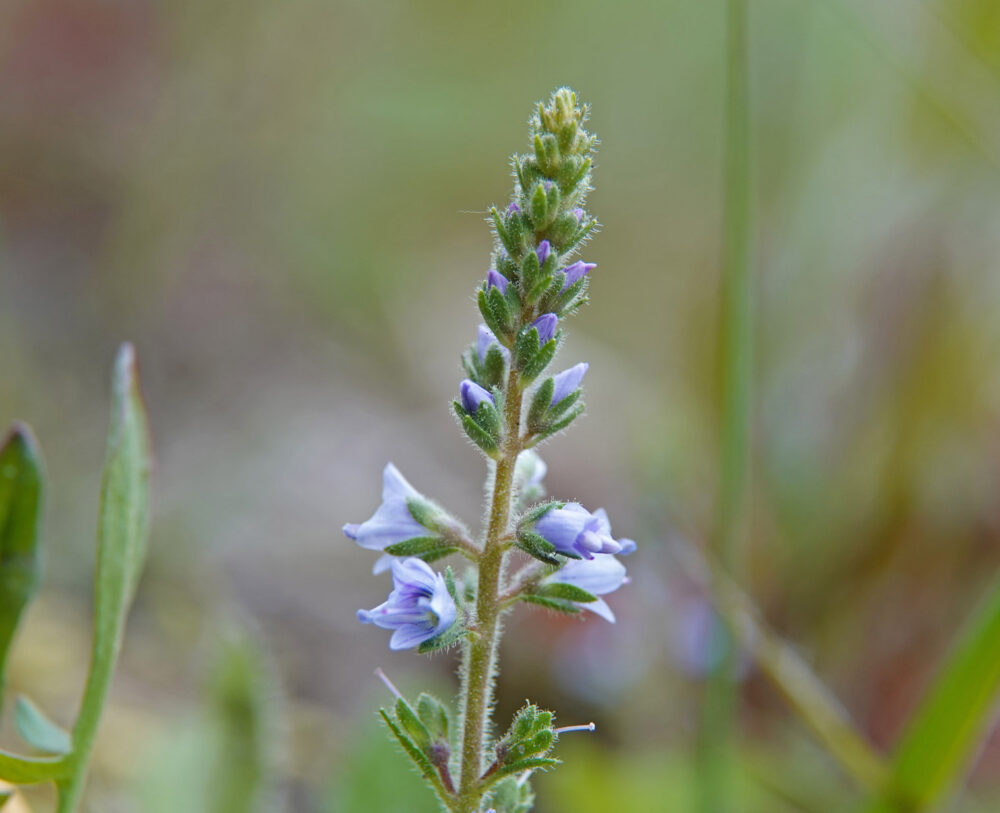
x,y
507,405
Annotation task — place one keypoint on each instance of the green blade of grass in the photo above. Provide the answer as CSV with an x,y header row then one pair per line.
x,y
121,546
21,492
948,727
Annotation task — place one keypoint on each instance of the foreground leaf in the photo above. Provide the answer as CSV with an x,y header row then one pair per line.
x,y
947,729
38,730
121,548
21,490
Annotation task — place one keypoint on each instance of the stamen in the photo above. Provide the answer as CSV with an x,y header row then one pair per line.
x,y
381,676
566,728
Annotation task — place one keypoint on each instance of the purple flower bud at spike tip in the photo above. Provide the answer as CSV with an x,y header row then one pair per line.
x,y
567,381
392,522
579,213
419,607
599,576
542,252
576,272
494,279
573,529
485,340
546,327
473,395
513,208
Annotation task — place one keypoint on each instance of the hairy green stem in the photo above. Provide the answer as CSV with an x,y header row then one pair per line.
x,y
479,657
721,701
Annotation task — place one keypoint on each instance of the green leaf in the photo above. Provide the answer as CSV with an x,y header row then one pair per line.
x,y
559,605
434,715
419,758
21,492
38,730
947,729
412,724
122,531
570,592
20,770
418,546
540,360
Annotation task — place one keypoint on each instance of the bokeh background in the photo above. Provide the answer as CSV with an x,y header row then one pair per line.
x,y
282,205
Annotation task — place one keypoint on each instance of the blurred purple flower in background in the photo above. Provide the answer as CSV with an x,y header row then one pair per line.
x,y
419,607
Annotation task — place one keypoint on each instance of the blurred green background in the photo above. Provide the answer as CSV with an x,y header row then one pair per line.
x,y
282,205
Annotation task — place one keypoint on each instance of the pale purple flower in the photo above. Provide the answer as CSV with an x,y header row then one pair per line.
x,y
575,272
573,529
419,607
485,340
599,576
543,251
392,522
578,213
494,279
567,381
513,207
473,395
546,327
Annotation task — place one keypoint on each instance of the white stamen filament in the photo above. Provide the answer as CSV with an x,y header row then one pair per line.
x,y
587,727
381,676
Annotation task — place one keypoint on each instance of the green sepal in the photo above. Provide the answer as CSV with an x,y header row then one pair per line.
x,y
526,346
541,510
553,200
543,282
503,235
537,546
451,636
537,363
546,152
559,425
540,403
569,592
512,796
557,410
412,724
38,730
572,172
434,715
539,207
21,494
419,758
531,269
476,433
417,546
438,553
494,367
494,310
530,764
559,605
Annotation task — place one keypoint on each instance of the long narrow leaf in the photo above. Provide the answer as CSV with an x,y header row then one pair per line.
x,y
21,491
949,726
121,546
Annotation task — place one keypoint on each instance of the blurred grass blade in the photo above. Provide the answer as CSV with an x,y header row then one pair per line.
x,y
21,490
121,546
242,695
20,770
38,730
949,726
